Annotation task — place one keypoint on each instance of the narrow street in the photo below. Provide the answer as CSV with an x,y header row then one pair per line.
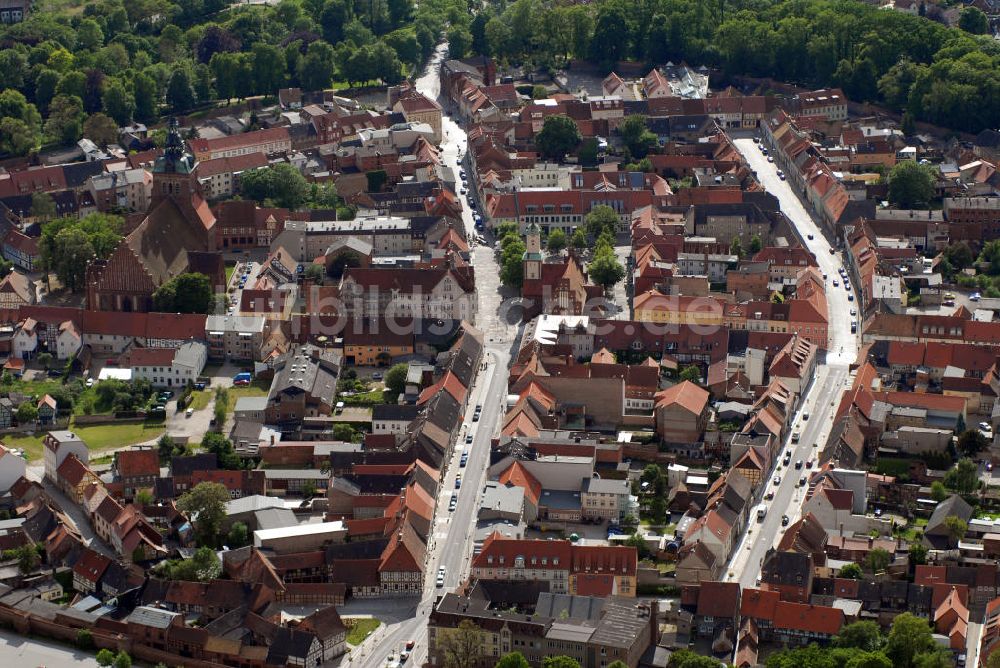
x,y
451,545
822,395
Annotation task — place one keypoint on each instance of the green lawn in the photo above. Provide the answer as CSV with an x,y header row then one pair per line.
x,y
254,389
364,399
362,628
105,436
230,270
893,467
200,399
30,443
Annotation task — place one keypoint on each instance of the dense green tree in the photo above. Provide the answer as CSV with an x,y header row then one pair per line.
x,y
180,91
513,660
866,636
511,256
556,241
690,373
636,135
459,41
282,184
147,97
971,442
909,637
16,137
316,68
203,566
206,504
559,661
579,240
65,121
101,129
973,20
105,657
601,219
118,102
938,491
238,536
27,413
850,571
911,184
395,380
610,42
268,68
756,244
186,293
878,559
559,135
74,253
963,478
956,528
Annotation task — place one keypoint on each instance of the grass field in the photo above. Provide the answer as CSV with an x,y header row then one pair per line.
x,y
104,436
200,400
30,443
362,628
254,389
230,269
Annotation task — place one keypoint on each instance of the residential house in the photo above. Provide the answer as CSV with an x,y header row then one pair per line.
x,y
681,413
57,446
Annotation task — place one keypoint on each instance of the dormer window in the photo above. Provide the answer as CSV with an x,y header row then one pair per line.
x,y
518,561
555,561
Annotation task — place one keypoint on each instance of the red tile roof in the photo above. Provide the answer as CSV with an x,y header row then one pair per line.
x,y
91,566
685,394
134,463
810,618
72,470
516,474
236,141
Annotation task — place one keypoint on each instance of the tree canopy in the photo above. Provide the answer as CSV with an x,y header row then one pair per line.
x,y
559,135
187,293
911,184
206,505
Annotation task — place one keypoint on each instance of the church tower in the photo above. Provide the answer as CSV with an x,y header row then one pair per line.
x,y
531,263
173,172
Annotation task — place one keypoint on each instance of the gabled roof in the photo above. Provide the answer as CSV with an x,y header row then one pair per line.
x,y
139,462
685,394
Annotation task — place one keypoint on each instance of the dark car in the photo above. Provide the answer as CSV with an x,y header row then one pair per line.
x,y
784,520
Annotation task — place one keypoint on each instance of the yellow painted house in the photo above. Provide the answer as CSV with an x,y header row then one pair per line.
x,y
376,343
653,306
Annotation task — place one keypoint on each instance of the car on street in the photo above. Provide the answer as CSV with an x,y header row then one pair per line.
x,y
802,481
833,251
770,158
836,283
377,376
777,480
763,150
769,496
463,460
809,464
475,417
798,464
809,237
458,482
189,412
781,175
453,504
986,426
784,520
850,298
468,439
854,311
805,416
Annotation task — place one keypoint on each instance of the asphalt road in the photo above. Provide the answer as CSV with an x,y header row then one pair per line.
x,y
451,544
820,398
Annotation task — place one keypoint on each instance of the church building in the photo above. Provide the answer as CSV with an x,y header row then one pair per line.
x,y
176,237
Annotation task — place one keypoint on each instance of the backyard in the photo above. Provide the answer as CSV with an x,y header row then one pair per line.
x,y
255,389
97,437
362,628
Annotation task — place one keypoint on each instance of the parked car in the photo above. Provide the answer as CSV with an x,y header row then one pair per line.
x,y
784,520
189,412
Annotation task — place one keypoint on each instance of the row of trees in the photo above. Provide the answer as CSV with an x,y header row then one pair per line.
x,y
909,644
63,76
947,76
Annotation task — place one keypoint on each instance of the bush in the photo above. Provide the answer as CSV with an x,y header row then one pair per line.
x,y
84,639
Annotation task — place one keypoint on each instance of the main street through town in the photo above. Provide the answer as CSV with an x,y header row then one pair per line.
x,y
451,544
822,395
